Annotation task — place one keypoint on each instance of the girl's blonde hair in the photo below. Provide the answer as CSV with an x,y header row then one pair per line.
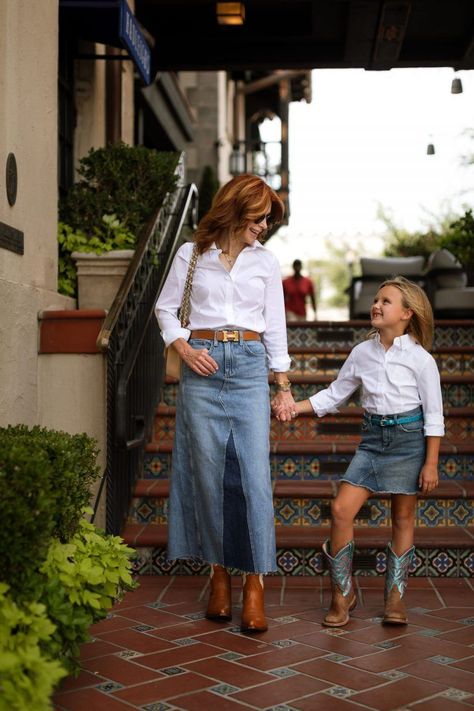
x,y
421,324
243,199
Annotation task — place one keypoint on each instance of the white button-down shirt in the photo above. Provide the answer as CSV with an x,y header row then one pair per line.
x,y
393,381
249,298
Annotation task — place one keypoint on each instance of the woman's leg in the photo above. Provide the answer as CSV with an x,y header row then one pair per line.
x,y
340,550
219,606
399,557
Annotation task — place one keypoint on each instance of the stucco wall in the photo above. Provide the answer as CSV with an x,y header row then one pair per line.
x,y
72,396
28,128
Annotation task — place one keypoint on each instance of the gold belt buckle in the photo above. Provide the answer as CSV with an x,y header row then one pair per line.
x,y
230,336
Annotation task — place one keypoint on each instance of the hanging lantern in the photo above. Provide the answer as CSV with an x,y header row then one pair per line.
x,y
456,86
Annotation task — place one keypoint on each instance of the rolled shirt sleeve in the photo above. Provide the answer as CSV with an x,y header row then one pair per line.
x,y
429,388
169,301
339,391
274,336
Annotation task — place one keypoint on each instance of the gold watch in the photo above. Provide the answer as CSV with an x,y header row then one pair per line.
x,y
284,387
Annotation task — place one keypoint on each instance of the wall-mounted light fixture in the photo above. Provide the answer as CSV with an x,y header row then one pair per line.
x,y
230,13
456,86
237,160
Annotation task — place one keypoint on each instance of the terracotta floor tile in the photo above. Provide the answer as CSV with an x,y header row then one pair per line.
x,y
384,660
150,616
451,677
179,655
440,703
381,633
275,658
324,702
342,674
455,613
229,641
98,648
123,671
466,664
162,689
227,672
280,691
84,679
136,641
397,694
343,644
116,622
429,646
205,700
290,630
432,622
463,635
90,700
190,629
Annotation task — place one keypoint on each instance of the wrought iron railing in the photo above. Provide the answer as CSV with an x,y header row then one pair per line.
x,y
131,339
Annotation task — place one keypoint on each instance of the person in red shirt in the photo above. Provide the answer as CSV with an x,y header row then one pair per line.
x,y
296,288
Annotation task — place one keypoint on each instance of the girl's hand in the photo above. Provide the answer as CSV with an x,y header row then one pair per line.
x,y
199,360
284,406
428,479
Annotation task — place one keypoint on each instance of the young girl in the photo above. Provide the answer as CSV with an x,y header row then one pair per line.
x,y
401,430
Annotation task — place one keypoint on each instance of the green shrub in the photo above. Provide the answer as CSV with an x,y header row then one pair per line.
x,y
127,181
207,189
112,235
83,578
45,483
460,240
28,674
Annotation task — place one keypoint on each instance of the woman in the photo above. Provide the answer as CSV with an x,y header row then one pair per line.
x,y
221,508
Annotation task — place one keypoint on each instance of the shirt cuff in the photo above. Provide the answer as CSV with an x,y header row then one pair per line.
x,y
321,411
433,430
171,334
280,364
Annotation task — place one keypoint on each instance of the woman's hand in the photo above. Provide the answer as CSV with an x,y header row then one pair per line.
x,y
284,406
198,360
428,479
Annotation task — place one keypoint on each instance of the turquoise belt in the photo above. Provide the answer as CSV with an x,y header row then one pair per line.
x,y
385,421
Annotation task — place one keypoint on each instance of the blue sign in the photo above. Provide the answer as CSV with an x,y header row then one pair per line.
x,y
134,41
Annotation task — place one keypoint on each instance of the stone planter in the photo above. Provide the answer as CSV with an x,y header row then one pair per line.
x,y
99,277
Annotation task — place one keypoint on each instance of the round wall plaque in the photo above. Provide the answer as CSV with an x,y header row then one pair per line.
x,y
11,179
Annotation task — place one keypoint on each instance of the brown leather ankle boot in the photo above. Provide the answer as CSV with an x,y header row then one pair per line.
x,y
219,606
253,611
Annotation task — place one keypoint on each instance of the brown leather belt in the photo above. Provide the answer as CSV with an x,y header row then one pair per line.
x,y
227,336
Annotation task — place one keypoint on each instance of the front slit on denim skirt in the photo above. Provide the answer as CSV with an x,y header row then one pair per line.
x,y
221,508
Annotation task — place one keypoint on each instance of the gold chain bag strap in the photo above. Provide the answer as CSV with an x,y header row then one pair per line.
x,y
173,361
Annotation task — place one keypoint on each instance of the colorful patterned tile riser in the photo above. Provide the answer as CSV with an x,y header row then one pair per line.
x,y
330,363
448,562
316,512
309,466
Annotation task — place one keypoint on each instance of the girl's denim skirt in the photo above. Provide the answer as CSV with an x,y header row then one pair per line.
x,y
221,507
389,458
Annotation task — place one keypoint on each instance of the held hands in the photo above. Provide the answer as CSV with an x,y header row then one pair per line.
x,y
428,479
284,407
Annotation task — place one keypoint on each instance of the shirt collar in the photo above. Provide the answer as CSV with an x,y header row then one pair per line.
x,y
255,245
402,342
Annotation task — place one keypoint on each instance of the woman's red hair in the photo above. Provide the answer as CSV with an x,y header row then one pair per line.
x,y
243,199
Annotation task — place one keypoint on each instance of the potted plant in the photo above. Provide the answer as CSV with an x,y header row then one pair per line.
x,y
119,189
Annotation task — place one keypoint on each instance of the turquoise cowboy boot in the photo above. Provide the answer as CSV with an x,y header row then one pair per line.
x,y
343,598
395,586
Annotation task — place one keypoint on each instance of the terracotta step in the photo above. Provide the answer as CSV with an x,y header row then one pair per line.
x,y
311,489
136,534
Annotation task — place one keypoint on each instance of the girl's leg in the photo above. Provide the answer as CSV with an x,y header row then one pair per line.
x,y
339,552
403,522
344,509
399,557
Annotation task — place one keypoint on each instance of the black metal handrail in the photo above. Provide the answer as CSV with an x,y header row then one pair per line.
x,y
131,339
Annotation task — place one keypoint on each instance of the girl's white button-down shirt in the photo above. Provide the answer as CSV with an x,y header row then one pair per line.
x,y
249,297
393,381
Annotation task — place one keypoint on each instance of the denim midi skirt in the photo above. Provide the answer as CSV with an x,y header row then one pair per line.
x,y
389,459
221,506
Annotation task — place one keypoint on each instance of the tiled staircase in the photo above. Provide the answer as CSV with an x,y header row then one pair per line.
x,y
309,454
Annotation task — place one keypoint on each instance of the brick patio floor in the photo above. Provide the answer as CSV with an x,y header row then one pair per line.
x,y
157,652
